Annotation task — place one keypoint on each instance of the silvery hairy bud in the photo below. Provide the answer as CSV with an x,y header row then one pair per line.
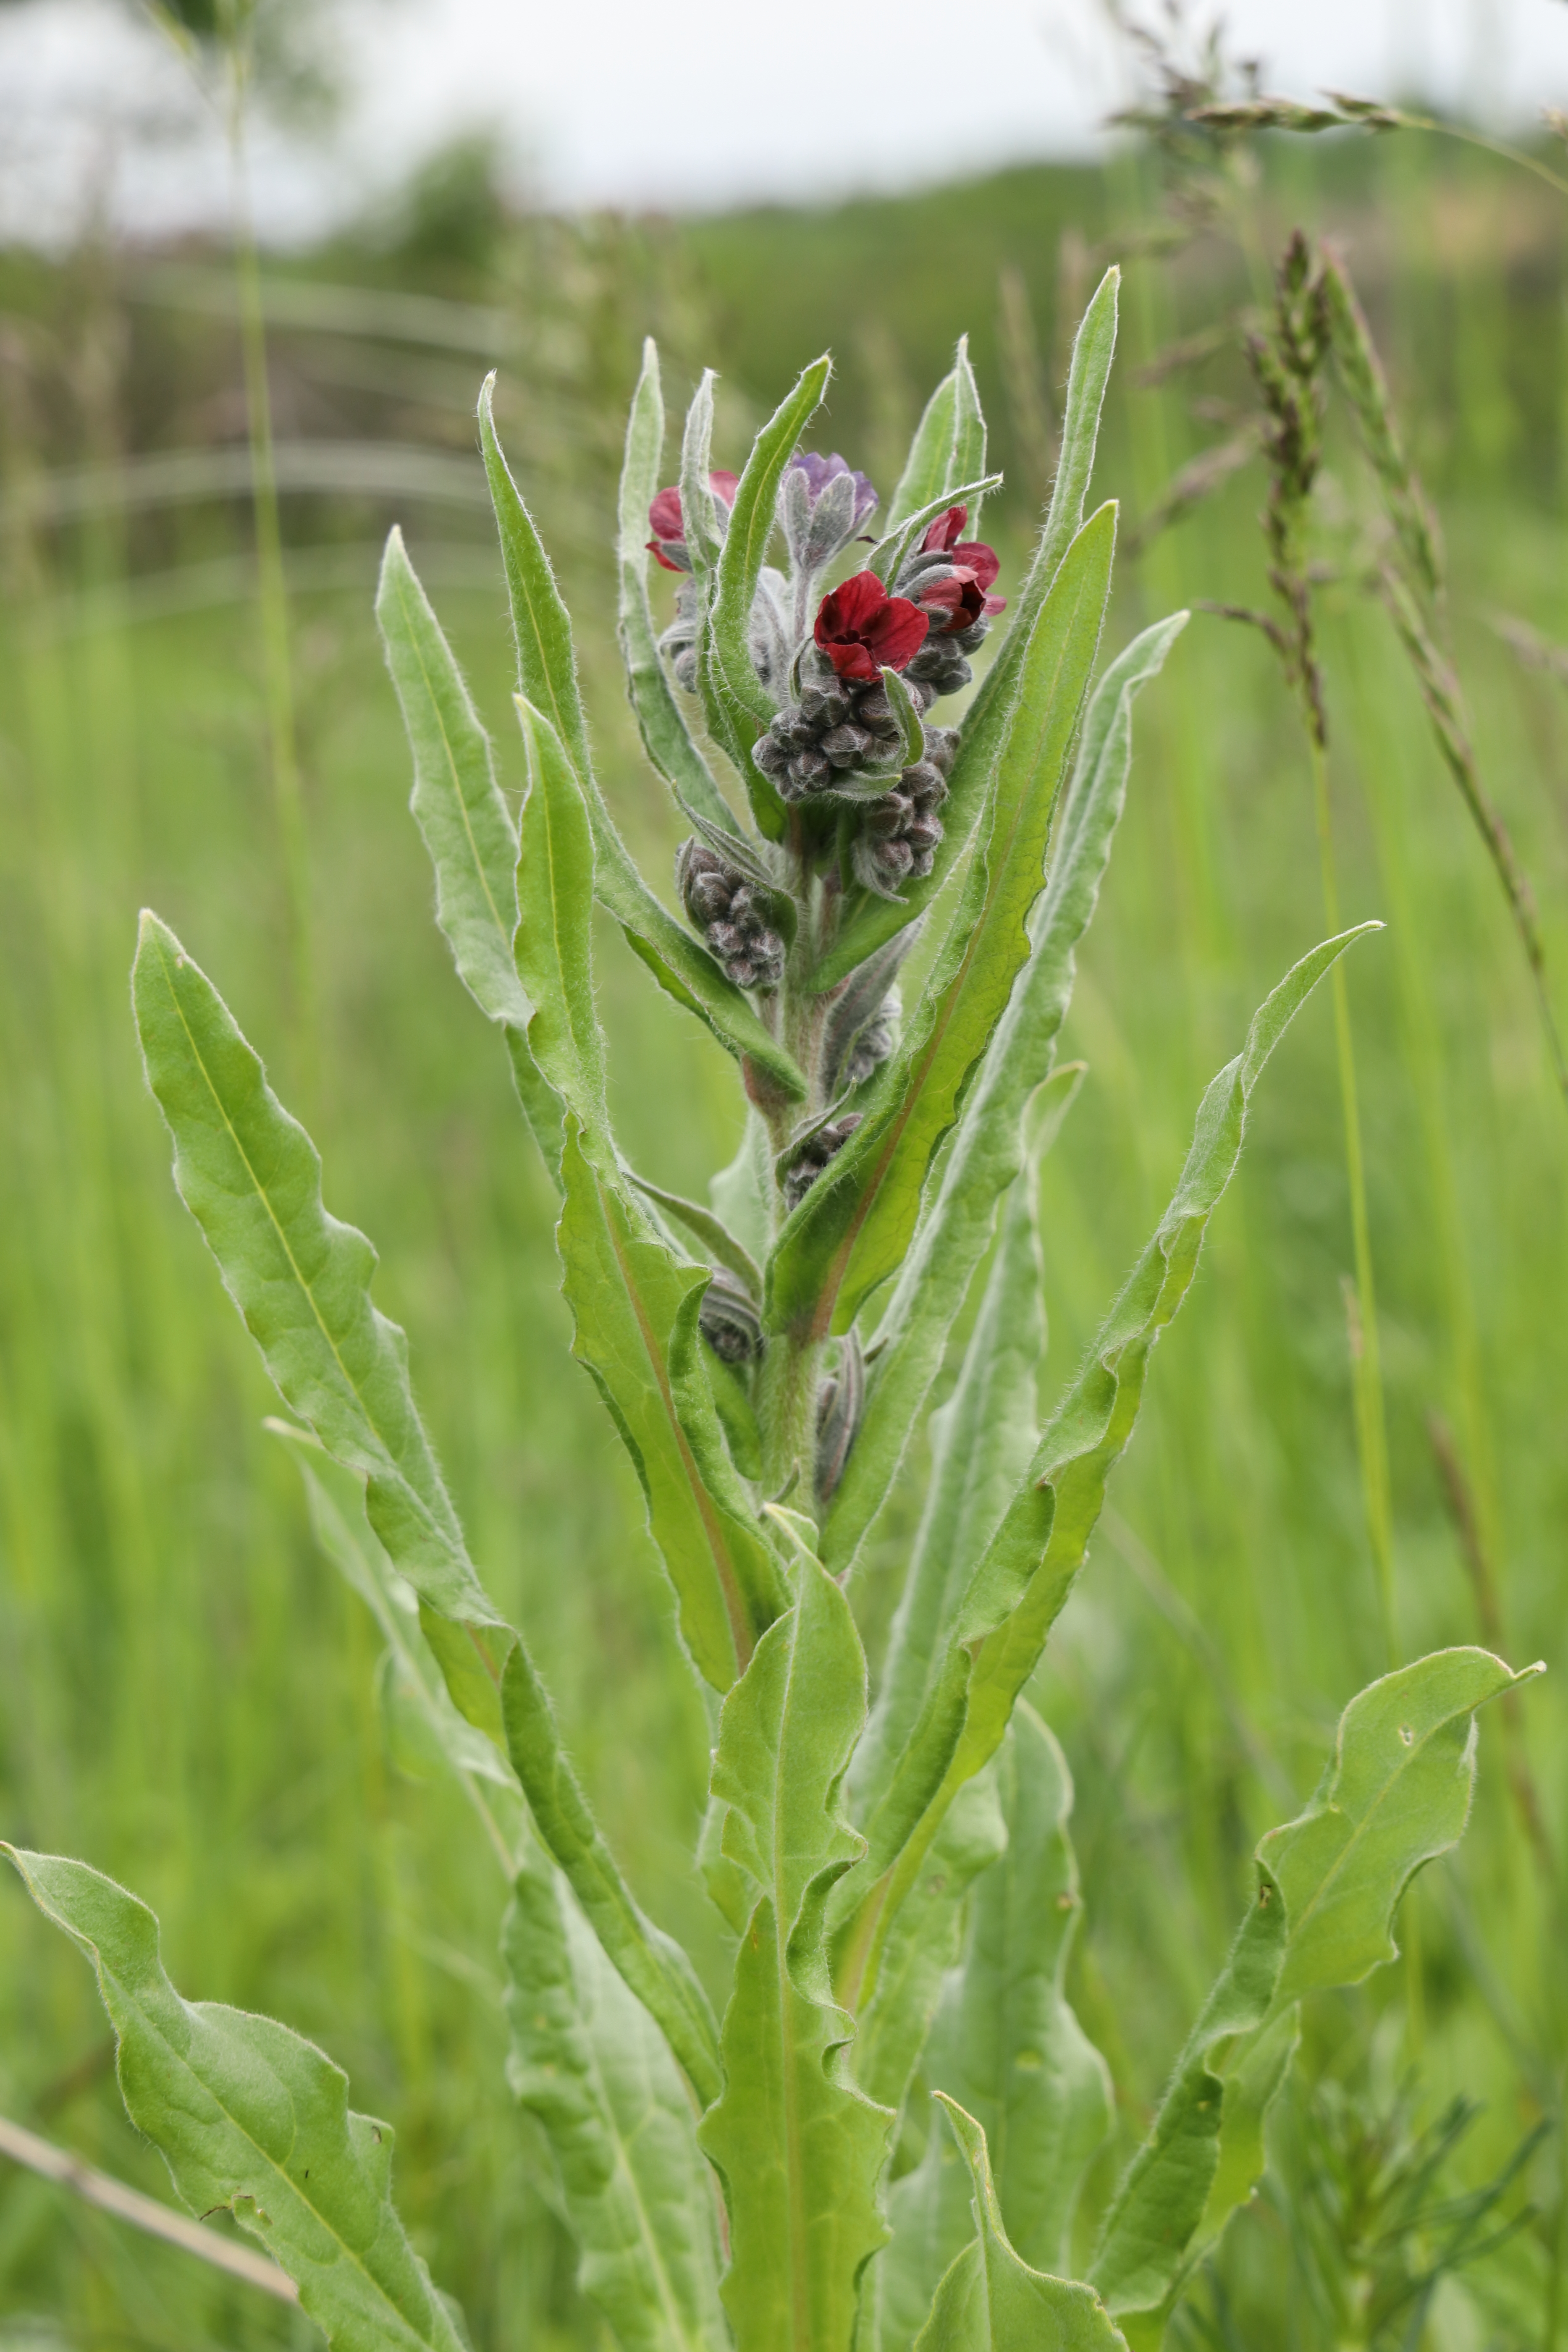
x,y
875,1041
729,1321
678,642
732,915
899,833
822,505
840,1401
814,1156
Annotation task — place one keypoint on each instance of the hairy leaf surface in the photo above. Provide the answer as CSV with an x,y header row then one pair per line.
x,y
250,2116
799,2146
1018,1588
1396,1794
991,2300
587,2059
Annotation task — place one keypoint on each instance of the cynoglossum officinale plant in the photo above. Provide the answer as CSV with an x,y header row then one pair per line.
x,y
770,2168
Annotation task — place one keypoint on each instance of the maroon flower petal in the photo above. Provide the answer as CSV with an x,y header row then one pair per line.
x,y
862,629
664,518
941,534
724,486
977,557
658,555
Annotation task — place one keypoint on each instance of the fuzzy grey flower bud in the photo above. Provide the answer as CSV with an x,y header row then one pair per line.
x,y
874,1044
732,913
822,505
840,1401
814,1156
729,1321
900,832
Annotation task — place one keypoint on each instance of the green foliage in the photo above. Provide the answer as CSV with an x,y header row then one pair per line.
x,y
251,2117
892,2130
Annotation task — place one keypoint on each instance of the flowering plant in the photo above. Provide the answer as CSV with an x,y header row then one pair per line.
x,y
877,2130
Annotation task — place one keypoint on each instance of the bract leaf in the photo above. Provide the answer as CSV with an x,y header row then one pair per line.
x,y
1094,347
798,2145
854,1225
711,1234
986,1150
587,2059
547,674
887,557
991,2300
665,737
747,705
1396,1795
457,803
465,823
951,431
876,920
250,2116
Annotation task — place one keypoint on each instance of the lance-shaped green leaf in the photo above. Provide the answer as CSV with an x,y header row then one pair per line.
x,y
735,683
949,447
252,1178
876,920
547,674
799,2146
981,1440
336,1501
1028,1569
1396,1794
457,803
252,2117
634,1301
1007,2047
986,1150
922,1946
1094,348
714,1238
854,1225
464,822
666,738
588,2062
635,1306
651,1963
991,2300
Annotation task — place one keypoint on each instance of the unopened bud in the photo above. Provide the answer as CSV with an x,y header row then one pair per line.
x,y
729,1321
814,1156
732,915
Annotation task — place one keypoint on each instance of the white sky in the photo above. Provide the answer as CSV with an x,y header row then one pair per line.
x,y
685,103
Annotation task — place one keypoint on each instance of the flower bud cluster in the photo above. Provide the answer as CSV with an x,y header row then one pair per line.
x,y
732,915
899,833
814,1156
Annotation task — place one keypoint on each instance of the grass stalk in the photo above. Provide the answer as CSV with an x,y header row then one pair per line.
x,y
272,593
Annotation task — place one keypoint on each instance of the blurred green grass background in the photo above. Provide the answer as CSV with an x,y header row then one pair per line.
x,y
186,1695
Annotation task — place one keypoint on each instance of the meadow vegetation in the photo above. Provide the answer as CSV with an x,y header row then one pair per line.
x,y
189,1697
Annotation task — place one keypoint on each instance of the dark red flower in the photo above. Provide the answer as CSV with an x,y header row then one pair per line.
x,y
863,630
962,593
668,545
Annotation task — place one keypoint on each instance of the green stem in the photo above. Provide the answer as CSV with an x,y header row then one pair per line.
x,y
272,596
1366,1357
786,1410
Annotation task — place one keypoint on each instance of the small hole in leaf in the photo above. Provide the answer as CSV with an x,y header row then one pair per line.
x,y
1407,1735
1065,1901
